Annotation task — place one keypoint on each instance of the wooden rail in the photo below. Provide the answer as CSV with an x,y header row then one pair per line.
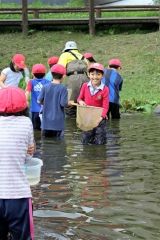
x,y
79,22
98,10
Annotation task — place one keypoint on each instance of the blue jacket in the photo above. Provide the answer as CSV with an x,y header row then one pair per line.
x,y
113,80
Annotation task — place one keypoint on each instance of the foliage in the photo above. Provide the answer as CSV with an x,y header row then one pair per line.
x,y
139,52
156,1
75,3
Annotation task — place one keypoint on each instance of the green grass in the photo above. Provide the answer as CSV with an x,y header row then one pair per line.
x,y
139,53
81,15
72,3
38,4
78,15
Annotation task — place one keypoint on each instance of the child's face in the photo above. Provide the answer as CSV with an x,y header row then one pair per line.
x,y
95,77
17,68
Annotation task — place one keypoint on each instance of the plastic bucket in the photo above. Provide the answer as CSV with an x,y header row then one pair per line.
x,y
33,170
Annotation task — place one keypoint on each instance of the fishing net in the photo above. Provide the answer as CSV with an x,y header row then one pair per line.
x,y
88,117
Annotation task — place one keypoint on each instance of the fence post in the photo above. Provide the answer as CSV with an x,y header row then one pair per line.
x,y
91,18
25,17
98,13
36,13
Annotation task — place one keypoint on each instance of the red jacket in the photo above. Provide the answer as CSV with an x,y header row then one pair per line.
x,y
100,99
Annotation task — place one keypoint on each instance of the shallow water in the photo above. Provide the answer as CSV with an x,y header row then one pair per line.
x,y
106,192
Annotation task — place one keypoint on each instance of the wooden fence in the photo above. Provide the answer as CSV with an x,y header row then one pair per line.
x,y
98,10
94,14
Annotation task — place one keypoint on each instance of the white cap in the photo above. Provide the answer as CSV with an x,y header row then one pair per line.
x,y
70,45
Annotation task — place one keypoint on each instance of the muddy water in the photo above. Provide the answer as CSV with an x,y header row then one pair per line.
x,y
101,192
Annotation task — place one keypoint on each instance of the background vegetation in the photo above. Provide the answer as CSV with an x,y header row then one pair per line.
x,y
139,53
138,50
72,3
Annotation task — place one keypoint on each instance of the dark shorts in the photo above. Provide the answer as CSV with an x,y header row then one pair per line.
x,y
113,111
16,219
36,121
95,136
52,133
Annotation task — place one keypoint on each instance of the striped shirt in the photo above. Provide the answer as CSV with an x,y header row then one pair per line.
x,y
16,135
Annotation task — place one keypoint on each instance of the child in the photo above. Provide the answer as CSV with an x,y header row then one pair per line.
x,y
89,58
54,98
34,87
51,61
16,142
114,81
95,93
12,75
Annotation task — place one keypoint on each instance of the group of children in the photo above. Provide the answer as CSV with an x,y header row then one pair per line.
x,y
47,96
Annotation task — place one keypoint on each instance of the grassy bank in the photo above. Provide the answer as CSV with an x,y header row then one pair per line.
x,y
139,52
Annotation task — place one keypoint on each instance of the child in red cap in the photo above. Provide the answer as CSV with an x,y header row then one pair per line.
x,y
51,62
95,93
12,75
16,142
114,81
54,98
89,58
34,87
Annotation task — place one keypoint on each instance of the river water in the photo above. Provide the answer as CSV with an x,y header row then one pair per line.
x,y
106,192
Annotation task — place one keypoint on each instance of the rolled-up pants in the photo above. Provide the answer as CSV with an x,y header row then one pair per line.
x,y
16,219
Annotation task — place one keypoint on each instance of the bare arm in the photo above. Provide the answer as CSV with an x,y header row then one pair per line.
x,y
27,93
2,80
31,149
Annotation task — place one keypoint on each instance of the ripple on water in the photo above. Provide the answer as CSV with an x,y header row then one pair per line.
x,y
106,192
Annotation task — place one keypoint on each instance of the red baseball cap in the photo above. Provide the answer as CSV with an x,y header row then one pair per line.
x,y
38,68
116,62
88,55
53,60
19,60
12,100
96,66
58,68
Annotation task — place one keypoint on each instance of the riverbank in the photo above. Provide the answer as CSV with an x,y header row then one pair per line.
x,y
139,53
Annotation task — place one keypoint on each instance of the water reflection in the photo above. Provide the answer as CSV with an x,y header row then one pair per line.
x,y
100,192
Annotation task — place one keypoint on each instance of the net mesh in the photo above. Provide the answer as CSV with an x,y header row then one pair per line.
x,y
88,117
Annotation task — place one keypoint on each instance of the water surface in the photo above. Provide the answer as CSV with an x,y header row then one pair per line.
x,y
106,192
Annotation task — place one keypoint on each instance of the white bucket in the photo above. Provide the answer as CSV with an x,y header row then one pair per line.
x,y
33,170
